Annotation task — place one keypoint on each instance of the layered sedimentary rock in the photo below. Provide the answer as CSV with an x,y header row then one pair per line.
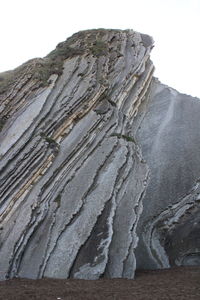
x,y
68,205
89,140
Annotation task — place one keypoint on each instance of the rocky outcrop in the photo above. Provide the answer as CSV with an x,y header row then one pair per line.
x,y
67,156
75,127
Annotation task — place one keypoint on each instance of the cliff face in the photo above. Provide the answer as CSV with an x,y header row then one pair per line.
x,y
89,140
170,140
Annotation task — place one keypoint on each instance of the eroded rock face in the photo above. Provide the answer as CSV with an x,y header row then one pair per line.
x,y
74,180
72,176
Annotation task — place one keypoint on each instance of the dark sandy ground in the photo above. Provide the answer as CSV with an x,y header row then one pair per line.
x,y
177,283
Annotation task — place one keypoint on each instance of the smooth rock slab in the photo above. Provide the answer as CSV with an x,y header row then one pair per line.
x,y
169,135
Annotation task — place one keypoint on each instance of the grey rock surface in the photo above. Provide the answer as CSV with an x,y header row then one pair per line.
x,y
99,163
72,177
169,136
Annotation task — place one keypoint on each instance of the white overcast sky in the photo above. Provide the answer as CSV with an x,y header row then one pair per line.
x,y
31,29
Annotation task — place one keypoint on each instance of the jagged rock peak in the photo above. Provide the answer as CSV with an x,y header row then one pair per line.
x,y
97,42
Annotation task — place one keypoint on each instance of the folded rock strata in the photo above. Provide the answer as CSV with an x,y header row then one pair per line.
x,y
169,136
89,140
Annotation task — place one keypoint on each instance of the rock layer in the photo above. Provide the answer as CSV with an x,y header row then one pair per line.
x,y
73,176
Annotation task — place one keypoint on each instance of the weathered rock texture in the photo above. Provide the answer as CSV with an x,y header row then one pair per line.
x,y
73,176
170,139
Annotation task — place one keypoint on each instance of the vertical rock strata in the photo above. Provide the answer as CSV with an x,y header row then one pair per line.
x,y
72,177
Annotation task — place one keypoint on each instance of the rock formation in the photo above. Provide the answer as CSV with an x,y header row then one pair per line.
x,y
99,163
170,139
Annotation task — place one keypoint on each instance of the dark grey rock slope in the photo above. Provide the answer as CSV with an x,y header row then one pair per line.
x,y
169,136
99,163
